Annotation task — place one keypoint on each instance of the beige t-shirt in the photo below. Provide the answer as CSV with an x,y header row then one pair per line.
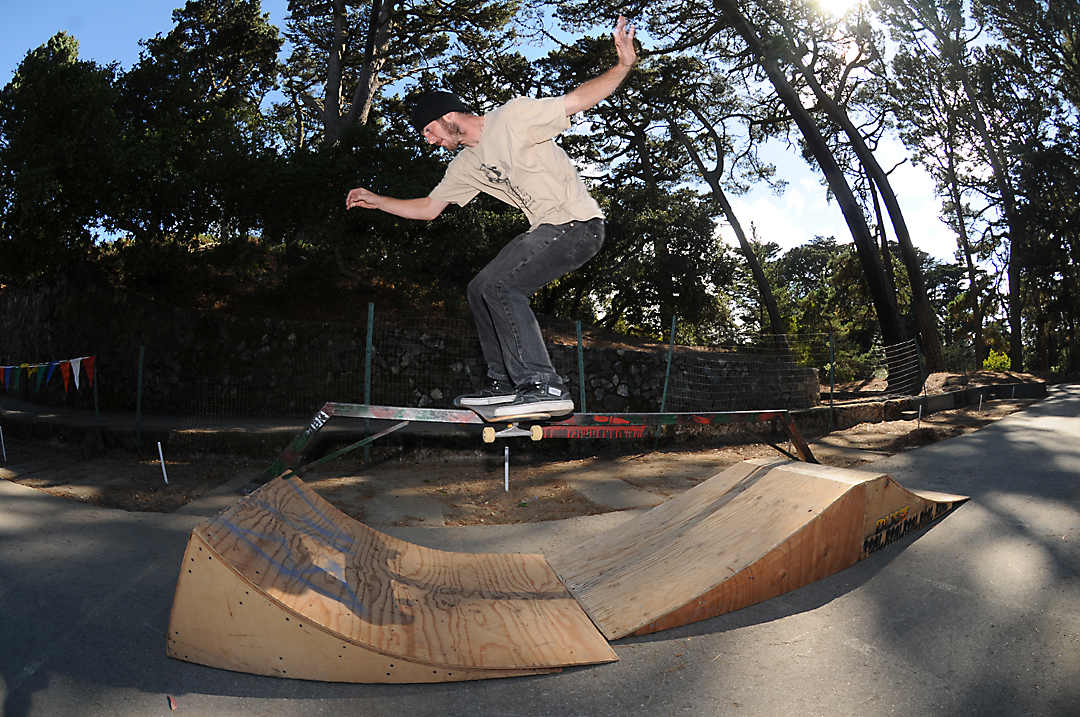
x,y
517,161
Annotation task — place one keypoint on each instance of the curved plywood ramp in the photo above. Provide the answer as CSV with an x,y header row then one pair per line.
x,y
284,584
755,531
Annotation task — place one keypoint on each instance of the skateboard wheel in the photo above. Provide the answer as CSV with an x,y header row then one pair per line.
x,y
536,432
489,434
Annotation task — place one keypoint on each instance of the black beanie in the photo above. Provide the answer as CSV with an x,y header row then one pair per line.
x,y
434,105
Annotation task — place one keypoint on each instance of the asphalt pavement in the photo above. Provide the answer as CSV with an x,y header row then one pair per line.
x,y
977,615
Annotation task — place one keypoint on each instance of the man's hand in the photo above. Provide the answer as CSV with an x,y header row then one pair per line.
x,y
360,197
424,208
624,42
588,94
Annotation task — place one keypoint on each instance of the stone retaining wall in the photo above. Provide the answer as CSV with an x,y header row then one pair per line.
x,y
263,367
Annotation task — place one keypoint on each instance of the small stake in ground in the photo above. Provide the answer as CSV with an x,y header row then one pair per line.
x,y
506,468
162,459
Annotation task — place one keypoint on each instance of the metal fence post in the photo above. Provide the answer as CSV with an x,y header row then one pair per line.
x,y
923,374
97,413
367,374
581,381
832,381
667,376
138,404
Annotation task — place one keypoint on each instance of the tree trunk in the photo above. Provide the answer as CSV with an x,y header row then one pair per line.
x,y
1001,179
375,47
886,254
892,329
335,72
376,42
973,276
924,312
767,298
1012,219
713,179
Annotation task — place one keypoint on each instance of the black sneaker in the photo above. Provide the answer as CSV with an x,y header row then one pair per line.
x,y
532,399
493,393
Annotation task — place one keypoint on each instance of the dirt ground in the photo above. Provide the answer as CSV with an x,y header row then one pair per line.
x,y
946,382
119,480
467,489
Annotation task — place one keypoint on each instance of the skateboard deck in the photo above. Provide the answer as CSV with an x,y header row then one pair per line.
x,y
513,424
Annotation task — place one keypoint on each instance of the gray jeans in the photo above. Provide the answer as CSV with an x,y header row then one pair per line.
x,y
499,297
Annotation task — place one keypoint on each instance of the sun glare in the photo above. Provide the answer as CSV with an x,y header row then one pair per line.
x,y
837,8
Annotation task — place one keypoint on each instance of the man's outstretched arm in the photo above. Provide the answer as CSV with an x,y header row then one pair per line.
x,y
590,93
424,208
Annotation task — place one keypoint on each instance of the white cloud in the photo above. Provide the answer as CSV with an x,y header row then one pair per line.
x,y
927,230
789,220
794,200
802,212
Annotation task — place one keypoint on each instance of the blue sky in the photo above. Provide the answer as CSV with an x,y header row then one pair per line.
x,y
107,30
110,30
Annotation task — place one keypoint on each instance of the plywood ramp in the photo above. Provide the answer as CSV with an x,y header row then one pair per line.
x,y
284,584
759,529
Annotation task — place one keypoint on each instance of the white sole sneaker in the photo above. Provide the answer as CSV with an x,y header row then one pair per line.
x,y
554,407
466,401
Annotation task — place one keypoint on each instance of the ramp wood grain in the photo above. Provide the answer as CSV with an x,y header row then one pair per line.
x,y
451,611
755,531
219,620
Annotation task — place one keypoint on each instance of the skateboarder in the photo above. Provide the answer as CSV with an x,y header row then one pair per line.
x,y
509,153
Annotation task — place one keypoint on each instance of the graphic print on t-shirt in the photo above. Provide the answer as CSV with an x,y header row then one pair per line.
x,y
495,175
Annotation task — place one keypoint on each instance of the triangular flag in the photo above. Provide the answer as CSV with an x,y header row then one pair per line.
x,y
65,371
3,375
88,364
18,373
36,371
75,363
48,375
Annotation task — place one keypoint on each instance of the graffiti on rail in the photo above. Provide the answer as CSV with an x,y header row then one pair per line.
x,y
558,431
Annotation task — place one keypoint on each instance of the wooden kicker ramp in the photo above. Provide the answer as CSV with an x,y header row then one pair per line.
x,y
759,529
284,584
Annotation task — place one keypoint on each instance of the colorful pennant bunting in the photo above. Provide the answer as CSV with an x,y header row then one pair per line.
x,y
41,374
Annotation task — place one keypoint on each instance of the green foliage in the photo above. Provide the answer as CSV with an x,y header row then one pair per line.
x,y
1051,253
661,257
997,361
822,290
58,136
192,155
852,363
228,48
1043,31
345,52
174,177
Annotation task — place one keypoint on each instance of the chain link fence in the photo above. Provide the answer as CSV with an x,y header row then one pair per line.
x,y
427,361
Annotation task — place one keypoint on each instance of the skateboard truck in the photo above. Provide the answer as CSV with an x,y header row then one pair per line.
x,y
512,429
512,423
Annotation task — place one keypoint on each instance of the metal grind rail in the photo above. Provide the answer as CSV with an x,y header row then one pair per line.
x,y
578,425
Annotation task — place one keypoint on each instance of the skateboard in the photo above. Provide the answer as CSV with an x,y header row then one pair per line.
x,y
513,425
540,425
